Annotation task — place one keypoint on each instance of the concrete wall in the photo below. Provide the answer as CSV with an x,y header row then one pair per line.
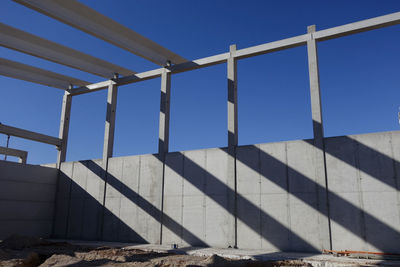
x,y
79,200
276,188
198,199
363,176
281,203
27,195
133,199
131,192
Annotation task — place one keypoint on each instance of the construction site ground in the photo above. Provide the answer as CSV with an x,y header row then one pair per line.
x,y
30,251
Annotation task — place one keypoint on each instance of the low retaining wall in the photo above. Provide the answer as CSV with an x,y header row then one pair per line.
x,y
27,194
285,196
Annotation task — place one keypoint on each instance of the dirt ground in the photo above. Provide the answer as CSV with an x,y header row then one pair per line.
x,y
25,251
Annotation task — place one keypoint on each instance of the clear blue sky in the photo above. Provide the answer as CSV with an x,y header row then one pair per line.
x,y
360,76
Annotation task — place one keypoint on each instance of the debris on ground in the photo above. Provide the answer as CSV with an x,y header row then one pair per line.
x,y
24,251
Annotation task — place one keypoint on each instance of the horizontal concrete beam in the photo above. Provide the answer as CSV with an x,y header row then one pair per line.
x,y
147,75
300,40
21,154
84,18
272,46
91,88
13,131
357,27
36,75
24,42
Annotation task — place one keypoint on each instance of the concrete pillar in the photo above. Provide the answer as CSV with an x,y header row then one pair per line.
x,y
163,136
110,123
314,87
64,127
232,142
318,142
232,100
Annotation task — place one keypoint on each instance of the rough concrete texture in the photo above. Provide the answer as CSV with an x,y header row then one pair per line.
x,y
198,204
363,179
133,199
281,201
27,195
272,189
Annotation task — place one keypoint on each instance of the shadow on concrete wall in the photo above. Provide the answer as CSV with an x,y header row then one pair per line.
x,y
381,235
78,214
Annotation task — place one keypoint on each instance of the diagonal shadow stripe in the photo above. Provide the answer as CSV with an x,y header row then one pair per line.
x,y
144,204
365,150
380,227
78,216
282,245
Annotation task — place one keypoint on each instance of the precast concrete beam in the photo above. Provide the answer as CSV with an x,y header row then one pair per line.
x,y
17,132
25,42
357,27
29,73
21,154
335,32
84,18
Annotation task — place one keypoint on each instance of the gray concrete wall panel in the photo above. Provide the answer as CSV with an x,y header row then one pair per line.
x,y
197,199
62,203
27,194
133,199
364,200
276,186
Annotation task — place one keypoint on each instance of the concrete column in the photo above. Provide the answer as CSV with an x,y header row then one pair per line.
x,y
314,87
110,123
232,100
232,143
318,142
163,136
64,127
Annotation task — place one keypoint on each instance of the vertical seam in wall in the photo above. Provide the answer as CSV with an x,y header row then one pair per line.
x,y
235,196
69,201
395,177
84,199
162,196
205,198
288,197
182,188
360,196
138,189
327,195
104,200
55,201
120,202
260,192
